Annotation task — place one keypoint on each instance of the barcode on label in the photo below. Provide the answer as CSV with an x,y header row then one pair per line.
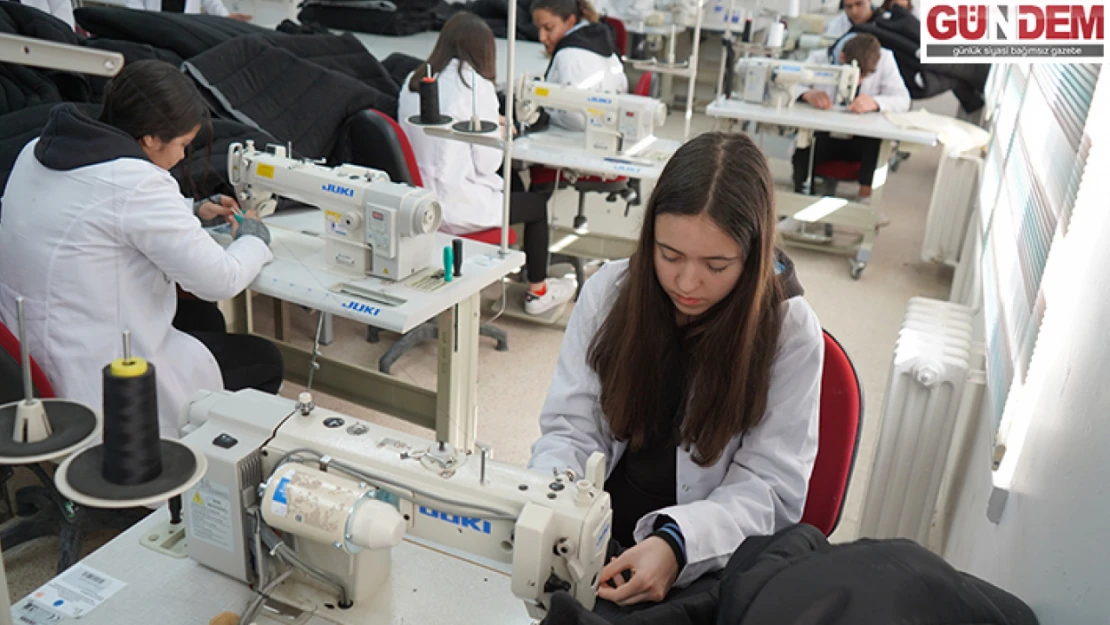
x,y
96,579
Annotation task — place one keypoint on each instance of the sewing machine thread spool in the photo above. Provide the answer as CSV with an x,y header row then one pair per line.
x,y
775,34
429,102
746,37
448,264
132,454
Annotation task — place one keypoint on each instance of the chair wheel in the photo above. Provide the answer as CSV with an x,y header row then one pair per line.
x,y
579,222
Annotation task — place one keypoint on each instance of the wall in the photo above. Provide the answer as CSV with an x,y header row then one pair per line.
x,y
1051,546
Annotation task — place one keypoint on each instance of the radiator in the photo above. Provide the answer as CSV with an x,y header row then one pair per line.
x,y
926,382
954,192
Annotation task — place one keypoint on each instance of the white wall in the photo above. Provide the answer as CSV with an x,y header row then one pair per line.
x,y
1051,547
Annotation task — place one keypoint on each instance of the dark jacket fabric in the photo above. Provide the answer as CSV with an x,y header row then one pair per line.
x,y
22,86
797,578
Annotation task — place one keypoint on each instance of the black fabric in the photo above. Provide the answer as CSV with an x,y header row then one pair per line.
x,y
186,35
797,578
70,423
291,98
397,19
22,86
594,37
864,150
72,140
246,361
376,146
788,276
400,66
132,52
173,6
203,171
530,209
495,13
19,127
85,474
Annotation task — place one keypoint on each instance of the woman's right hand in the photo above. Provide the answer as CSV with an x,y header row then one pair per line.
x,y
251,225
817,99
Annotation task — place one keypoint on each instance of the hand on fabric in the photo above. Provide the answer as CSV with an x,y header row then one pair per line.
x,y
653,568
863,104
241,17
817,99
251,214
226,209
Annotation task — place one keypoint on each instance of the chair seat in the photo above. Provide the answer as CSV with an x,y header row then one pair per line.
x,y
543,176
491,236
838,170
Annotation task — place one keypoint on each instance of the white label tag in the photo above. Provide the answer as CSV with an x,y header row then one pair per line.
x,y
30,613
210,515
77,591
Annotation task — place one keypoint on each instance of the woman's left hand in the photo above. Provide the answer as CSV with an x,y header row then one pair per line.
x,y
653,568
226,209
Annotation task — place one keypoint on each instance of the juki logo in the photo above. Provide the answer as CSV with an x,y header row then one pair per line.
x,y
362,308
599,99
338,189
478,525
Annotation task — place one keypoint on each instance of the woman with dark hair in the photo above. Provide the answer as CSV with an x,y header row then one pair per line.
x,y
583,52
695,368
465,177
96,237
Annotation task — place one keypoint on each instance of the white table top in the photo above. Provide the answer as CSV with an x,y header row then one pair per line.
x,y
426,586
299,274
530,55
561,148
802,115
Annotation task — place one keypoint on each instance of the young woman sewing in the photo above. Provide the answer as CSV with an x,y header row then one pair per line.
x,y
695,368
583,52
96,237
466,177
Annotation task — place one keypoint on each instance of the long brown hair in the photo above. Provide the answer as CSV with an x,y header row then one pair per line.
x,y
730,349
563,9
465,37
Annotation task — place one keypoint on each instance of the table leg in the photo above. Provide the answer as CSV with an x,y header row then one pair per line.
x,y
327,335
863,254
457,374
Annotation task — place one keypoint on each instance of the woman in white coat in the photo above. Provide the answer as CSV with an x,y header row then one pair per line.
x,y
695,372
466,177
207,7
95,236
583,53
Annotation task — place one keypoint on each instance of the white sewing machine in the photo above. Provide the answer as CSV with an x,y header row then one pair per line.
x,y
775,82
372,226
342,491
615,123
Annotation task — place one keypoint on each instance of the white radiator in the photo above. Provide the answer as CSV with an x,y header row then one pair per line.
x,y
954,191
922,403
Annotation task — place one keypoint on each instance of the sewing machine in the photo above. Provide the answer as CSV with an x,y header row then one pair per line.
x,y
775,82
342,491
615,123
372,226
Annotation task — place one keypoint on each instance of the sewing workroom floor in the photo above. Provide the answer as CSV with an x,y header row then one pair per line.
x,y
864,315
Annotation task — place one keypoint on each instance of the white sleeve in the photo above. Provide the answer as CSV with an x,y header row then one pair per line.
x,y
487,160
765,486
63,10
568,69
838,26
215,7
158,222
571,427
893,96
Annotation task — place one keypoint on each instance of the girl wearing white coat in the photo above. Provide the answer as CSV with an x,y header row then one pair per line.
x,y
466,177
695,372
583,53
95,236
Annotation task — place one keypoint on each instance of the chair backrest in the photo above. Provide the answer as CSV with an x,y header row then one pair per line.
x,y
841,424
392,152
643,86
11,373
620,34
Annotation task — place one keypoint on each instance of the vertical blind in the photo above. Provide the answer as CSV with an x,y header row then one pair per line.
x,y
1037,115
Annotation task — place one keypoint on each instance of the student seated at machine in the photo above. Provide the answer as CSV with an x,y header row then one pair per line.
x,y
466,177
880,89
855,12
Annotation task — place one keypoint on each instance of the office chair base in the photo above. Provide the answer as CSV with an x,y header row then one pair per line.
x,y
429,331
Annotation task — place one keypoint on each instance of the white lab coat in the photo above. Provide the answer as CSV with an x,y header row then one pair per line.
x,y
208,7
838,26
586,70
463,176
61,9
885,85
100,249
756,488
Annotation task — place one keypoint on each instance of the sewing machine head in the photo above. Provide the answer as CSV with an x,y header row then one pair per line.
x,y
345,489
778,83
616,123
372,226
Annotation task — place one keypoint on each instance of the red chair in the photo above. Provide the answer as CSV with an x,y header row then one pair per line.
x,y
42,510
620,35
645,84
394,155
838,440
838,171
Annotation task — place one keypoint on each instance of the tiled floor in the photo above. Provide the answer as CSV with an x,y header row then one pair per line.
x,y
864,315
